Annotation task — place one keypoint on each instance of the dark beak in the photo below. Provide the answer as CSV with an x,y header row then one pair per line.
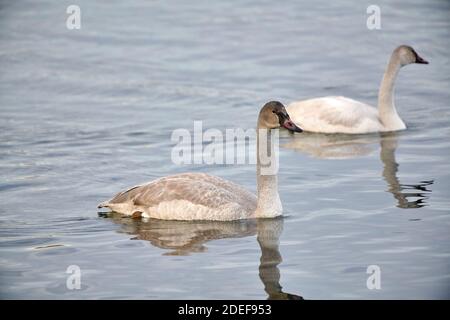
x,y
420,60
291,126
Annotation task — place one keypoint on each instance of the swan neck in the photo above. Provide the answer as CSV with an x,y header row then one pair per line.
x,y
268,203
386,107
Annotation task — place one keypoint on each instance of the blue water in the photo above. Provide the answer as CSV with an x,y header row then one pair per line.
x,y
86,113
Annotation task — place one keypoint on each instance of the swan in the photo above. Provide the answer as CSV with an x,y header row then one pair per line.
x,y
345,115
200,196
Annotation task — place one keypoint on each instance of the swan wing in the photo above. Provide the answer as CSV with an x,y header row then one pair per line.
x,y
334,115
188,196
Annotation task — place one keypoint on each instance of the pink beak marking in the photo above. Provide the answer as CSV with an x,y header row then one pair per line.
x,y
288,124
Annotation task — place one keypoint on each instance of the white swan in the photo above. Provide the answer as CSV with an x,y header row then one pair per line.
x,y
199,196
344,115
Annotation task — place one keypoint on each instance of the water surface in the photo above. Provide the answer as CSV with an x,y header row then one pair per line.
x,y
86,113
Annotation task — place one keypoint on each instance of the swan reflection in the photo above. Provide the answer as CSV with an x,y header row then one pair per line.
x,y
340,146
407,195
186,237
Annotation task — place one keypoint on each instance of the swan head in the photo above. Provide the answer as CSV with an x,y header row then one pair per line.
x,y
408,55
274,115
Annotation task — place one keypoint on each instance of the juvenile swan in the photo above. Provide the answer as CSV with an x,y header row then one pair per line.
x,y
199,196
344,115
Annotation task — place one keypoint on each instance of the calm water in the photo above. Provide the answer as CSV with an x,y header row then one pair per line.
x,y
86,113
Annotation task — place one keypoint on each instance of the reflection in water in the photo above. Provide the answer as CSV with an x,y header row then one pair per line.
x,y
185,237
340,146
332,146
416,193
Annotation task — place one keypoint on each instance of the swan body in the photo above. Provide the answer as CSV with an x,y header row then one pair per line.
x,y
336,115
186,196
199,196
345,115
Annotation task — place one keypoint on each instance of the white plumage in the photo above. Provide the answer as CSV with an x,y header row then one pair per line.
x,y
335,115
344,115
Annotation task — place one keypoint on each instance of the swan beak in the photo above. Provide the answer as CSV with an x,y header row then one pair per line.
x,y
420,60
291,126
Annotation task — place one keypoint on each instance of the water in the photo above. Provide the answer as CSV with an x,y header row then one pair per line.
x,y
86,113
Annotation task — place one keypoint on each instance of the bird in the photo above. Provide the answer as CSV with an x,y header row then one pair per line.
x,y
200,196
337,114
